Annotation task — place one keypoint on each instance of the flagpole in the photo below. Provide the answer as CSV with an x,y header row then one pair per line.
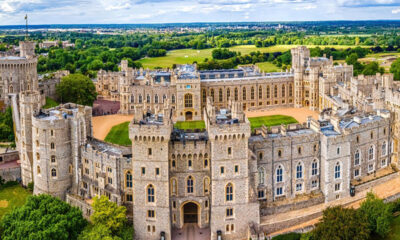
x,y
26,29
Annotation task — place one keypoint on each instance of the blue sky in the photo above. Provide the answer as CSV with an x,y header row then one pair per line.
x,y
163,11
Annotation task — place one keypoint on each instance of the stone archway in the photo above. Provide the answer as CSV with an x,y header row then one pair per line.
x,y
188,116
190,213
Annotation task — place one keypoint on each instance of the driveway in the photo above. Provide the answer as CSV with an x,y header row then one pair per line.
x,y
191,231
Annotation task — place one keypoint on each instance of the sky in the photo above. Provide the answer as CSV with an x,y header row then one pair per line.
x,y
12,12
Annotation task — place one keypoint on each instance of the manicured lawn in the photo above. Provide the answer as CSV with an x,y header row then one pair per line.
x,y
190,125
119,135
188,56
11,197
50,103
268,121
268,67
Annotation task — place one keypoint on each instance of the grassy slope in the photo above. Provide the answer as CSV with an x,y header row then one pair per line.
x,y
273,120
15,196
188,56
119,135
190,125
50,103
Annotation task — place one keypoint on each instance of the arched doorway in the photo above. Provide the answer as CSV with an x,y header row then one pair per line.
x,y
190,213
188,116
307,103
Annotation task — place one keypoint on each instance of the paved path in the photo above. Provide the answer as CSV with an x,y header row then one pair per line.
x,y
103,124
300,114
191,231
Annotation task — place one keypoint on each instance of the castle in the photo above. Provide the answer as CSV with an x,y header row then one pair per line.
x,y
227,177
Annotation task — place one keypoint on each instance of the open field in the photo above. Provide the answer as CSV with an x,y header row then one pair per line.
x,y
188,56
190,125
11,197
119,134
268,121
103,124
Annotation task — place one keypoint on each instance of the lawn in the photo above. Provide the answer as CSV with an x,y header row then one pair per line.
x,y
119,134
268,121
11,197
268,67
188,56
50,103
190,125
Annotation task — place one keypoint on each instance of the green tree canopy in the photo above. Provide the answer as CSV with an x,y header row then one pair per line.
x,y
378,213
395,69
108,214
43,217
372,69
340,223
76,88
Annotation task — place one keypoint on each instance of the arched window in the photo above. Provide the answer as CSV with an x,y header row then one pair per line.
x,y
174,186
188,100
204,95
337,170
229,192
244,93
252,93
140,98
38,169
314,168
228,93
276,91
357,157
156,98
236,94
290,90
283,91
371,153
164,98
279,174
268,92
52,146
212,94
173,163
206,186
37,156
173,99
148,98
53,158
189,184
150,194
260,92
128,179
384,148
261,176
220,95
53,172
299,171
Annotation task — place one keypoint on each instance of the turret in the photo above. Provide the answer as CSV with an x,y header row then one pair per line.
x,y
27,49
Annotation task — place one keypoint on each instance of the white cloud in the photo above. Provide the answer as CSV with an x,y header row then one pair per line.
x,y
396,11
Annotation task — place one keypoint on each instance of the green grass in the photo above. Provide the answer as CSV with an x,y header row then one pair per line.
x,y
268,121
268,67
119,134
188,56
15,196
190,125
50,103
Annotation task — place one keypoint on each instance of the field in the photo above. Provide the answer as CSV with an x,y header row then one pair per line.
x,y
188,56
268,121
11,197
119,135
50,103
190,125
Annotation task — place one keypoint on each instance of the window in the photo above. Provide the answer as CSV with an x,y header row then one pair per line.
x,y
338,150
279,174
174,186
268,92
148,98
206,185
371,167
357,158
337,187
173,204
228,94
188,100
283,91
337,170
275,91
260,156
357,173
220,95
261,194
383,163
314,184
384,148
212,94
109,179
128,179
222,170
150,194
279,191
53,158
190,184
290,90
252,93
149,151
371,153
52,146
372,134
204,96
173,163
156,98
53,172
190,163
150,214
299,150
173,99
299,187
143,170
206,204
229,212
260,92
314,168
229,192
236,94
279,153
299,171
244,93
236,168
261,177
38,169
157,171
51,133
140,99
229,150
129,197
205,163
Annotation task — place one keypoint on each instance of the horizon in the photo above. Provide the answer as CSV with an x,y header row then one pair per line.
x,y
43,12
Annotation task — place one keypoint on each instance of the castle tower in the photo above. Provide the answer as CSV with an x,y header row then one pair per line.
x,y
150,144
300,62
233,205
29,106
27,49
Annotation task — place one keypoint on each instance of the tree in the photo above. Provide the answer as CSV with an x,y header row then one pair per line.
x,y
108,214
98,231
372,69
378,213
395,69
76,88
43,217
340,223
